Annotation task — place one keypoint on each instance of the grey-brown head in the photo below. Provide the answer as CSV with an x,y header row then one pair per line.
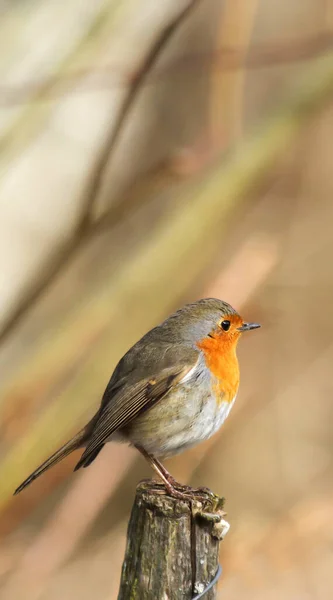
x,y
203,318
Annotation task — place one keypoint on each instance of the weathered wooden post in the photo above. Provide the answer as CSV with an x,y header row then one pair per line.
x,y
172,546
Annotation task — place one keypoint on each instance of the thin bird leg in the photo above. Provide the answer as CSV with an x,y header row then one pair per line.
x,y
163,474
165,471
162,468
170,478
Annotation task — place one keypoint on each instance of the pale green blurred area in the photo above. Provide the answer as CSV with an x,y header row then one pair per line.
x,y
219,182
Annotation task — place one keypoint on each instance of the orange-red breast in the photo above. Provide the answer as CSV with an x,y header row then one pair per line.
x,y
171,390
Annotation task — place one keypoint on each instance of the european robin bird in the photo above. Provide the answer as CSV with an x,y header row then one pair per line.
x,y
174,388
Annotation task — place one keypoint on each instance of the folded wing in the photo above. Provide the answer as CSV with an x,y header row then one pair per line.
x,y
127,403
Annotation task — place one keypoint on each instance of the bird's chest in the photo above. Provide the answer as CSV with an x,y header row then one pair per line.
x,y
191,412
202,404
210,412
221,385
222,365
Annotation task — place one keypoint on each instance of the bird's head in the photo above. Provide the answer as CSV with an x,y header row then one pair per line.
x,y
209,318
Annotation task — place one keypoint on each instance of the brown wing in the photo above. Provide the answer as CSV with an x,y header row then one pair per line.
x,y
126,404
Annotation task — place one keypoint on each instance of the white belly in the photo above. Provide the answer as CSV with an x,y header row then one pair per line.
x,y
210,421
178,423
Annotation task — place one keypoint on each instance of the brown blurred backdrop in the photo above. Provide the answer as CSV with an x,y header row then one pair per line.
x,y
152,153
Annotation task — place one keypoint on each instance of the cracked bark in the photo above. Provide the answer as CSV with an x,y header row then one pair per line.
x,y
172,550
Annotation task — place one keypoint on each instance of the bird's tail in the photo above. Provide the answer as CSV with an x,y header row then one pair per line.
x,y
76,442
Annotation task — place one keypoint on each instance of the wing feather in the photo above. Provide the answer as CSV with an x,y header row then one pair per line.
x,y
127,403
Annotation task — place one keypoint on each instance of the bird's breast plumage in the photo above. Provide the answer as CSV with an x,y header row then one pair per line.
x,y
221,361
192,411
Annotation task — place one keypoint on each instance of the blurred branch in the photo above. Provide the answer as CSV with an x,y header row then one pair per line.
x,y
70,247
163,37
86,225
227,58
32,117
140,294
236,28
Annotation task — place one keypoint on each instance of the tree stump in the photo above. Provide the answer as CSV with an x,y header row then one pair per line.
x,y
172,545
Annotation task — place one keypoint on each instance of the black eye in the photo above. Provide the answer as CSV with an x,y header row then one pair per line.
x,y
225,325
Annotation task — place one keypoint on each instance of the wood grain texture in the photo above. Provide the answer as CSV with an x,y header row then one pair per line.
x,y
172,551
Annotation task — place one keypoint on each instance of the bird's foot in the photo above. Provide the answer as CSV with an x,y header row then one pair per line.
x,y
187,492
202,491
204,504
184,492
179,486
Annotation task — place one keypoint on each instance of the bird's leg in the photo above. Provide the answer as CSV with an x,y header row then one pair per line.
x,y
187,489
166,473
177,484
167,479
171,479
164,470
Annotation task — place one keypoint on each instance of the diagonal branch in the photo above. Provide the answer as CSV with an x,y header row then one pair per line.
x,y
85,226
138,81
227,58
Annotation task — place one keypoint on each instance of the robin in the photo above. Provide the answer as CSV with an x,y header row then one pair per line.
x,y
173,389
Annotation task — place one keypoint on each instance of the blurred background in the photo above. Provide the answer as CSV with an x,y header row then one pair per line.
x,y
152,153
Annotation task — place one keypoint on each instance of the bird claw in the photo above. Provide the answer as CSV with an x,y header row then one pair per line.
x,y
204,503
186,492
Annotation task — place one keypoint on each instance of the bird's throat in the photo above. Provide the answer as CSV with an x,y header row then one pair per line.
x,y
221,360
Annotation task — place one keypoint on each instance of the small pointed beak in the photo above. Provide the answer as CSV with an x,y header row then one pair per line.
x,y
248,326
